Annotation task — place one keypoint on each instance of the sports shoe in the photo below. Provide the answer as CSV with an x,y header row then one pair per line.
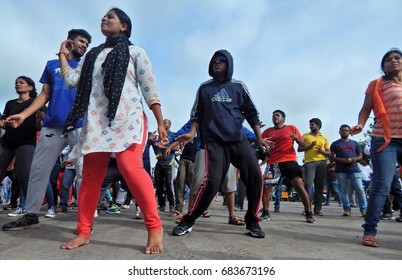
x,y
114,209
277,211
124,206
138,213
254,230
309,218
387,216
102,206
399,219
318,214
18,212
347,214
182,229
265,216
73,205
238,208
27,221
50,213
10,206
63,208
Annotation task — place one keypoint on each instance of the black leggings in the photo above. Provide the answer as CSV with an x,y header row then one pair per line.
x,y
218,156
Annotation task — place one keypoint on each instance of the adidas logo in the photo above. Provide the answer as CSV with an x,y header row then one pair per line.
x,y
222,96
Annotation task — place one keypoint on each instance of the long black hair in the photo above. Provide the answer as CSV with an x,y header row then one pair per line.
x,y
32,92
386,55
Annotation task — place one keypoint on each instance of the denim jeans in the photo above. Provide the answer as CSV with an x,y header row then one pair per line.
x,y
278,194
333,186
6,189
49,195
68,179
384,164
396,192
355,180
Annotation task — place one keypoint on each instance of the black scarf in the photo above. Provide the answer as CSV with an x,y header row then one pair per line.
x,y
115,71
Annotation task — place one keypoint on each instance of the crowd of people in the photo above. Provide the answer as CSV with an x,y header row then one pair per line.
x,y
91,107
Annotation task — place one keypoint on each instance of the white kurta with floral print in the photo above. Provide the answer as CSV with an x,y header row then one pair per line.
x,y
128,124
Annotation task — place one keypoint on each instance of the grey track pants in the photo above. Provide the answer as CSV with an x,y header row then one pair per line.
x,y
48,148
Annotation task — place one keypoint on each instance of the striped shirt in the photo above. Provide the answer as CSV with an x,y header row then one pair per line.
x,y
392,101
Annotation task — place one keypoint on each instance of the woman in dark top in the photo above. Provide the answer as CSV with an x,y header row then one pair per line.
x,y
19,142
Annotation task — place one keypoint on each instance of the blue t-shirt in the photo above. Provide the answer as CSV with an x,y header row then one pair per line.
x,y
62,98
346,149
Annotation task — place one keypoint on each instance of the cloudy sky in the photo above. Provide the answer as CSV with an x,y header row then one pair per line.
x,y
309,58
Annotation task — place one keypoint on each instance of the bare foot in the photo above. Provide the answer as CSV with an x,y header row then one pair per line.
x,y
154,244
75,243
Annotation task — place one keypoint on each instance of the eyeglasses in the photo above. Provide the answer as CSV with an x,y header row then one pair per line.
x,y
219,59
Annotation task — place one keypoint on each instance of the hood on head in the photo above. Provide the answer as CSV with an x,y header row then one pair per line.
x,y
230,65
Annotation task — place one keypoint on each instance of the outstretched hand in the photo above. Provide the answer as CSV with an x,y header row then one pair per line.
x,y
356,129
184,139
265,144
163,135
15,120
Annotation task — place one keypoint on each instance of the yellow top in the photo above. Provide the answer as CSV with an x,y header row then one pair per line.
x,y
312,154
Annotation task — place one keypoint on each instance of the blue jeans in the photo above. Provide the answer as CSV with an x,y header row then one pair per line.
x,y
68,179
49,195
384,164
333,186
22,201
278,194
355,180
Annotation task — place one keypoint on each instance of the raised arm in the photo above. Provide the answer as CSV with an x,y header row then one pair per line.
x,y
363,114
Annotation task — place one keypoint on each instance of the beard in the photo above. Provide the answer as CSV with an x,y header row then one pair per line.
x,y
76,54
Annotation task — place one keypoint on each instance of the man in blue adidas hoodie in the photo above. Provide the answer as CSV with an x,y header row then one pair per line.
x,y
219,110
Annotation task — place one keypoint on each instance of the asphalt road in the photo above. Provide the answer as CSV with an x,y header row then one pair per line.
x,y
288,237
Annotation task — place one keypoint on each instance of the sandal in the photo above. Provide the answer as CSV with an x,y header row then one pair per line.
x,y
207,214
369,240
235,220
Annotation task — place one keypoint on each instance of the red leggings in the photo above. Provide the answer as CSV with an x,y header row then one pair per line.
x,y
140,184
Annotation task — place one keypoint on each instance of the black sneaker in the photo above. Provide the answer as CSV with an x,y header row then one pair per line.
x,y
254,230
63,208
182,229
10,206
265,216
399,219
28,221
309,218
387,216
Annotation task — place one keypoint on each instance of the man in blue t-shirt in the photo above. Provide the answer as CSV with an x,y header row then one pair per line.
x,y
51,142
346,153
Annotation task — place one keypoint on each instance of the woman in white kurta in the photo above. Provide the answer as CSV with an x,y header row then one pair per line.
x,y
107,82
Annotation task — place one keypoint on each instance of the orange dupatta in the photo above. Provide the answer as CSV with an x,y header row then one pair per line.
x,y
380,113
